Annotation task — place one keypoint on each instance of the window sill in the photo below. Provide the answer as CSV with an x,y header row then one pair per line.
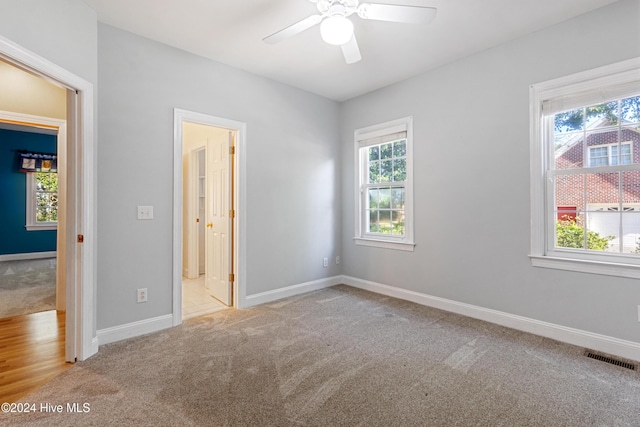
x,y
587,266
400,246
43,227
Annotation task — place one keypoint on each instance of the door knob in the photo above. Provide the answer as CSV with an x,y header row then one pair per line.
x,y
209,224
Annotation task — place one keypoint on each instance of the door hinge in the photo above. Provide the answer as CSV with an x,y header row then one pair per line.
x,y
80,238
232,213
232,277
232,149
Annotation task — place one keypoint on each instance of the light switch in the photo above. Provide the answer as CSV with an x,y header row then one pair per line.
x,y
145,212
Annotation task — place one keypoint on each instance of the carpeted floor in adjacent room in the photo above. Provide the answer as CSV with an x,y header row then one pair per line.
x,y
339,357
27,286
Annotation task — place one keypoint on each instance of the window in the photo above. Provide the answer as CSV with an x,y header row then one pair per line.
x,y
42,201
384,193
585,171
610,155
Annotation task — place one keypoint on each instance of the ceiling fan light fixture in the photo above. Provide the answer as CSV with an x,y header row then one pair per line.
x,y
336,30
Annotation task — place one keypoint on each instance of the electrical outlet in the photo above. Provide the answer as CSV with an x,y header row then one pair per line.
x,y
145,212
142,295
338,260
325,262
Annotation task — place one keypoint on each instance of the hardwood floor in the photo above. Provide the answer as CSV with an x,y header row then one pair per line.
x,y
31,352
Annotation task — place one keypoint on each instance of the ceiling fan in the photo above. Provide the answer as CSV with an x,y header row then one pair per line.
x,y
337,29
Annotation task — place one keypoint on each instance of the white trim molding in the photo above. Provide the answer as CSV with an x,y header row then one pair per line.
x,y
134,329
289,291
30,255
590,340
400,246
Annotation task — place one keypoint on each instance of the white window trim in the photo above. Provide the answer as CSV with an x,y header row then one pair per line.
x,y
618,74
405,243
31,223
609,155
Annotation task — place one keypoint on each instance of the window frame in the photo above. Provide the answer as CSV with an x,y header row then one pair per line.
x,y
390,241
585,84
31,213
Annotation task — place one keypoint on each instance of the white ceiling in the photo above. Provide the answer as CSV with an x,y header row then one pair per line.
x,y
231,32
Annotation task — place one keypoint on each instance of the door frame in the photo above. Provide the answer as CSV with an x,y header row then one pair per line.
x,y
181,116
80,333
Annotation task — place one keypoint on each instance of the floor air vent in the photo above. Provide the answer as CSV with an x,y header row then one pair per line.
x,y
611,361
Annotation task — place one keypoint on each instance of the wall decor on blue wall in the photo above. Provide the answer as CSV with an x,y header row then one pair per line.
x,y
14,237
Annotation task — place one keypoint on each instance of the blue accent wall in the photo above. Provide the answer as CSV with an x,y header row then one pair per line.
x,y
14,237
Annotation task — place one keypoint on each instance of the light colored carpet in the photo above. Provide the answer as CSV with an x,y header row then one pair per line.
x,y
340,357
27,286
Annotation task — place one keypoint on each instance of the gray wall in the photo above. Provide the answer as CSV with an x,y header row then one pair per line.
x,y
292,190
62,31
471,124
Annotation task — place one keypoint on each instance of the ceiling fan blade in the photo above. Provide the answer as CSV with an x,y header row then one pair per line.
x,y
351,51
396,13
294,29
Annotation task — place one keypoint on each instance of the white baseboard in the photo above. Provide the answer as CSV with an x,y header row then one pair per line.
x,y
590,340
31,255
134,329
276,294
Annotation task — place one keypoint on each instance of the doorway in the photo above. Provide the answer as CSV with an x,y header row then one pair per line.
x,y
207,259
206,233
33,254
79,245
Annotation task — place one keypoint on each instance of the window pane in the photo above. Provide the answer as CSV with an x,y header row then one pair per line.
x,y
386,151
374,172
385,198
46,197
603,231
374,153
373,198
386,170
397,198
373,221
614,155
631,232
598,156
570,233
569,150
630,187
400,148
630,142
569,194
602,188
46,207
569,121
385,222
47,182
625,154
397,220
602,115
631,109
399,170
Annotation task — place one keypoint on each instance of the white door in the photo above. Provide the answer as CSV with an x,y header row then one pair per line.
x,y
217,224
